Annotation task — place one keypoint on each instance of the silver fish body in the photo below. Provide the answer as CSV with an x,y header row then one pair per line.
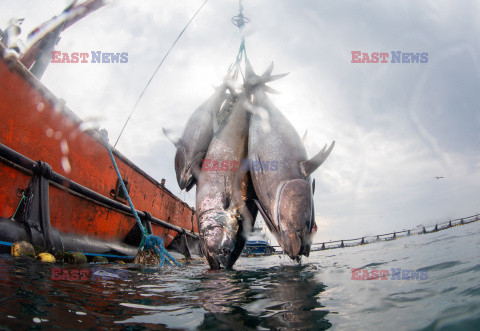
x,y
196,137
224,201
285,194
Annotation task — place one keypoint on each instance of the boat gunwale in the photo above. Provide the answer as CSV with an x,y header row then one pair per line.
x,y
17,66
72,187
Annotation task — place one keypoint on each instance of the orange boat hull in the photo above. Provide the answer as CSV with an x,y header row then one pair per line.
x,y
37,125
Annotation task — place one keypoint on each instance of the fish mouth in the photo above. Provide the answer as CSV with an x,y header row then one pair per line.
x,y
295,246
292,245
220,256
180,159
219,235
190,184
293,213
225,256
185,176
187,179
187,182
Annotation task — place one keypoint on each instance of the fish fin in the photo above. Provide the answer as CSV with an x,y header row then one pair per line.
x,y
268,220
268,73
270,90
226,201
313,187
174,140
215,123
261,166
309,166
257,160
306,251
226,197
249,214
253,174
304,137
275,77
196,164
249,69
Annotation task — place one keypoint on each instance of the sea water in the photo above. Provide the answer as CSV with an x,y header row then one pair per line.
x,y
428,282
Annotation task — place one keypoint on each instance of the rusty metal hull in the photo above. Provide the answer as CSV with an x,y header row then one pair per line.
x,y
36,124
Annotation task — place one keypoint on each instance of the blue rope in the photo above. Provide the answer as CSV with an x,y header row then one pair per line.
x,y
18,207
107,255
240,20
149,241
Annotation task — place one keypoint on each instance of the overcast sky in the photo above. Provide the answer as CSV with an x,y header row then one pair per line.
x,y
396,125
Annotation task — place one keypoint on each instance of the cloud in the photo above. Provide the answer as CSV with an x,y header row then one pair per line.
x,y
396,126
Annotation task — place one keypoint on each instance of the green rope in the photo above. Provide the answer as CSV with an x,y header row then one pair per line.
x,y
149,241
18,207
240,20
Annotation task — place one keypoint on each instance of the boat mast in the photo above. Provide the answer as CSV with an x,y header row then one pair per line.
x,y
36,54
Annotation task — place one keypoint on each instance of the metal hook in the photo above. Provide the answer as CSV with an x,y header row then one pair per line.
x,y
240,20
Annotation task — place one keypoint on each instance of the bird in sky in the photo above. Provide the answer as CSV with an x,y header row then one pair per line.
x,y
438,177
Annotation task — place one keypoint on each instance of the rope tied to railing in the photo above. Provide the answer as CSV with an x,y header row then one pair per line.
x,y
149,241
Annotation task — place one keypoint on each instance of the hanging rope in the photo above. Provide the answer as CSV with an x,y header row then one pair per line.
x,y
149,241
158,67
239,21
18,206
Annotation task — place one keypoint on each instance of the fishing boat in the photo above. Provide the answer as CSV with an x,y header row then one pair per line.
x,y
258,244
58,186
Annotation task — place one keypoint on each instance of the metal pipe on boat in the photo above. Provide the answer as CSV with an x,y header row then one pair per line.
x,y
23,161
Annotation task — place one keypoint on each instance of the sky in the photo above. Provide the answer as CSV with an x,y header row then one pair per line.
x,y
396,125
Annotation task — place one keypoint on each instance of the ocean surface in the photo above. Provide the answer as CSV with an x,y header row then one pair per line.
x,y
260,293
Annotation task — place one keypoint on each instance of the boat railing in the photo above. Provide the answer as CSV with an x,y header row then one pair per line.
x,y
26,165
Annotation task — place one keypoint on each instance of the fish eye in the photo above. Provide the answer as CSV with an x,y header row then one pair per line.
x,y
226,251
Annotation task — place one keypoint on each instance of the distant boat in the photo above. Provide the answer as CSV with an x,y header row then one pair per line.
x,y
257,244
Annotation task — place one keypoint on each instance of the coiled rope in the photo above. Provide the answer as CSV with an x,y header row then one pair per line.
x,y
149,241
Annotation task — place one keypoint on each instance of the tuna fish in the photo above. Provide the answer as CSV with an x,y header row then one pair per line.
x,y
197,135
224,201
285,196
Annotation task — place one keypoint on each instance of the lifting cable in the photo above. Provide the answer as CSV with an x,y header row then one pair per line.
x,y
239,21
158,67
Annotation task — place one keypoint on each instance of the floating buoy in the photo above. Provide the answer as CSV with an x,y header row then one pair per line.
x,y
75,258
23,248
99,259
46,257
